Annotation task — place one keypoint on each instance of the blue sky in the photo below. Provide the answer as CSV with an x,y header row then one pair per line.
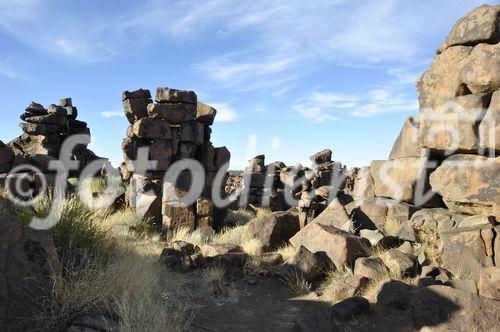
x,y
288,78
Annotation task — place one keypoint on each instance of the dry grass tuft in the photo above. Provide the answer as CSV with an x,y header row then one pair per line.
x,y
238,217
196,237
296,283
262,212
213,280
391,226
430,243
253,247
229,235
286,251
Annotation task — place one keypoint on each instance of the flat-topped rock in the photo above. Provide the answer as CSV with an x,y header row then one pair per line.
x,y
167,95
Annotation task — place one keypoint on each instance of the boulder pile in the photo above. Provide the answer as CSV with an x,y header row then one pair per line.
x,y
269,186
45,131
175,127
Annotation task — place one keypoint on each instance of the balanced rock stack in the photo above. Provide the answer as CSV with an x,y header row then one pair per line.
x,y
270,185
173,128
45,130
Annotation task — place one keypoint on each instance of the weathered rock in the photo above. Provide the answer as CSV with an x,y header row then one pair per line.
x,y
454,126
341,247
475,221
216,249
161,152
152,128
361,183
173,113
350,308
184,247
28,264
442,80
322,157
372,213
370,267
136,94
176,216
166,95
176,260
399,263
336,215
205,114
394,294
466,251
136,108
148,206
347,286
406,145
192,132
35,108
56,109
406,232
469,184
6,155
402,179
40,129
489,128
481,71
51,119
436,219
489,282
442,308
465,285
478,26
232,263
272,230
256,164
308,264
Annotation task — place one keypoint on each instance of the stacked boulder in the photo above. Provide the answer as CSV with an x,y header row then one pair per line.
x,y
174,127
443,175
45,131
268,186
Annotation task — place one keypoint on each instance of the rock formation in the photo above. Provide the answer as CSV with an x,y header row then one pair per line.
x,y
175,127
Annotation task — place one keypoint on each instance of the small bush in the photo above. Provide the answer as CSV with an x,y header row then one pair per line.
x,y
391,226
286,251
253,247
296,283
229,235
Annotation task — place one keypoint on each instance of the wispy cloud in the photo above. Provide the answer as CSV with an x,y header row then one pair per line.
x,y
225,112
326,106
112,114
7,70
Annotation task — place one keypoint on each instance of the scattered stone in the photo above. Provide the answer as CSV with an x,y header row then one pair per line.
x,y
399,263
350,308
370,267
217,249
272,230
341,247
308,264
394,294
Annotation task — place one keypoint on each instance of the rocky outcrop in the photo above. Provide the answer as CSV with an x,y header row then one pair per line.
x,y
28,264
469,184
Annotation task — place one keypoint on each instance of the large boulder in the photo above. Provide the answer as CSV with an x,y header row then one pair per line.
x,y
152,128
373,213
479,26
28,264
442,308
442,80
469,184
466,251
489,128
404,179
310,265
489,282
335,215
454,126
342,248
272,230
481,71
406,145
359,183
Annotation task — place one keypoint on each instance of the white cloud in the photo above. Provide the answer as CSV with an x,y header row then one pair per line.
x,y
111,114
225,112
7,70
325,106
